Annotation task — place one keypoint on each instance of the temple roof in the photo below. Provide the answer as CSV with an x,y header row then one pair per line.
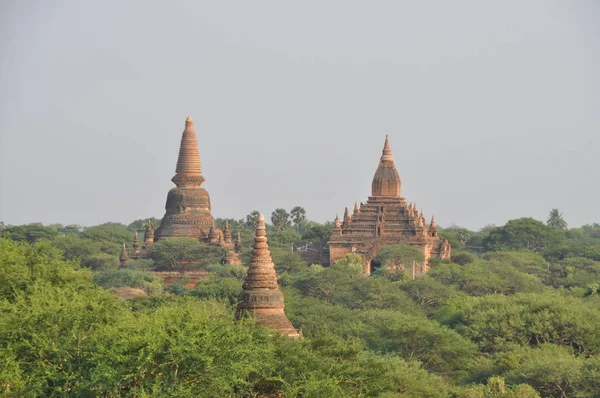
x,y
386,182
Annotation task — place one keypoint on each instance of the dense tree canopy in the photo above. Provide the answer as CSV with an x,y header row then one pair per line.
x,y
514,314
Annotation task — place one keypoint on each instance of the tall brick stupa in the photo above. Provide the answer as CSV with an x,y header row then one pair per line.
x,y
188,210
261,297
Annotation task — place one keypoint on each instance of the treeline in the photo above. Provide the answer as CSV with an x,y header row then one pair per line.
x,y
514,314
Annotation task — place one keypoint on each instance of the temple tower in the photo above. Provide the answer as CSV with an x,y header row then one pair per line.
x,y
188,209
386,181
261,297
238,243
124,258
385,219
149,234
137,246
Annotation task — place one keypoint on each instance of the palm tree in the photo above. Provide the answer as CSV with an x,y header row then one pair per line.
x,y
280,219
556,220
298,215
251,218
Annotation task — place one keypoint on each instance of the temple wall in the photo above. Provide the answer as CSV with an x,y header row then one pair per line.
x,y
338,251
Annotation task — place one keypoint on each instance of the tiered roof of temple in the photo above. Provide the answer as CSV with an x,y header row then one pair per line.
x,y
261,297
385,219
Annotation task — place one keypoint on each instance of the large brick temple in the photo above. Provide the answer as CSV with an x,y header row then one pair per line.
x,y
385,219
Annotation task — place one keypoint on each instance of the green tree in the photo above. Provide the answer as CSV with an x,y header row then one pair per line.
x,y
495,322
251,219
100,261
30,232
178,253
298,215
522,234
315,232
280,219
397,260
109,232
556,220
592,289
141,224
77,248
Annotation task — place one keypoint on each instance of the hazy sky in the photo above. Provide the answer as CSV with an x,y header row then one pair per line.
x,y
492,107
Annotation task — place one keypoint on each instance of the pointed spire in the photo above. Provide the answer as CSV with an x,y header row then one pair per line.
x,y
386,181
213,236
220,240
149,234
421,219
356,209
135,253
347,218
386,153
238,242
227,233
433,231
337,224
189,169
261,297
124,257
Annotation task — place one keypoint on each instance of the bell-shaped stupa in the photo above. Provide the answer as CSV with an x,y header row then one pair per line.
x,y
261,297
188,210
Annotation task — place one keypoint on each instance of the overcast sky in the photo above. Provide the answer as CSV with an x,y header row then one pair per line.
x,y
492,107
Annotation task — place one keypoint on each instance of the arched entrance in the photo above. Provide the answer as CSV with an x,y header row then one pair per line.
x,y
374,265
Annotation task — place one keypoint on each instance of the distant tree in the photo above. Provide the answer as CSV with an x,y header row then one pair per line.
x,y
30,232
298,216
100,261
399,254
521,234
556,220
172,253
251,219
177,253
140,225
76,248
396,260
109,232
234,224
280,219
316,232
71,229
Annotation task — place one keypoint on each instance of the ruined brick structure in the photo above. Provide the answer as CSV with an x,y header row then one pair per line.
x,y
385,219
261,297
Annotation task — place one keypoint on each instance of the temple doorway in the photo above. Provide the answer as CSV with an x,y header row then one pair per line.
x,y
374,265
